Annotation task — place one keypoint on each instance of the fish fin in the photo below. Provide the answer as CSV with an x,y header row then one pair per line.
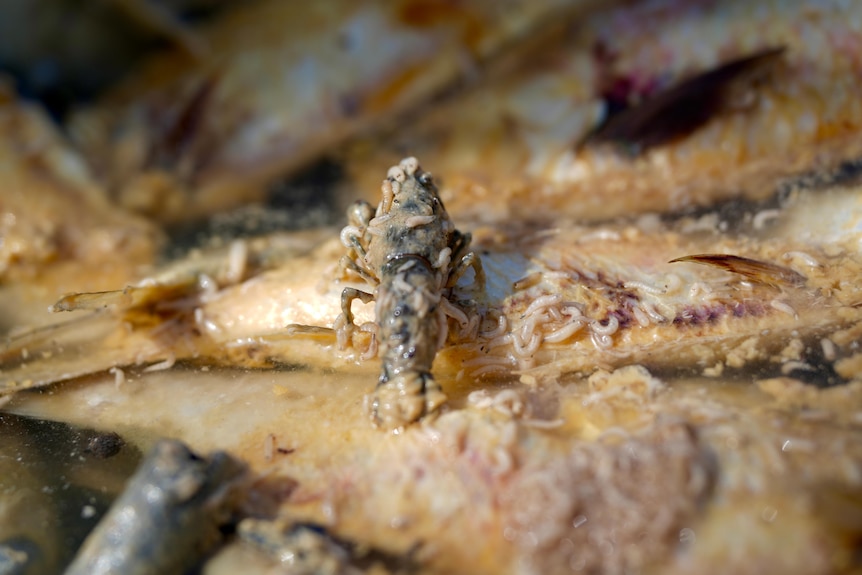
x,y
92,301
683,107
311,331
755,270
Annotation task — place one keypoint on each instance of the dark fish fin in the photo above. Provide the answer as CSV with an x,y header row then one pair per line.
x,y
755,270
684,107
180,129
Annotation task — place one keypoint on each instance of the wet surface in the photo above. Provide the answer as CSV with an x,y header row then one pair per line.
x,y
56,482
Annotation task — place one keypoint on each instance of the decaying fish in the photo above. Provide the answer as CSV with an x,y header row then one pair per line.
x,y
534,471
508,146
536,479
343,67
52,212
409,251
168,517
557,301
152,312
622,392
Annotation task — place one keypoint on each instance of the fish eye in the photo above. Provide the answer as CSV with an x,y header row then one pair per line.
x,y
425,179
